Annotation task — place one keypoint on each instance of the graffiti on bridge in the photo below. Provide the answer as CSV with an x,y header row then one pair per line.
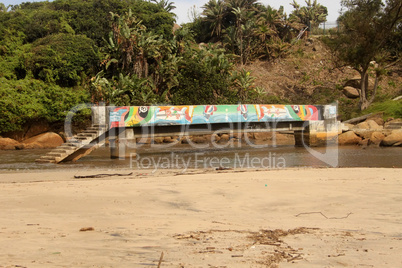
x,y
133,116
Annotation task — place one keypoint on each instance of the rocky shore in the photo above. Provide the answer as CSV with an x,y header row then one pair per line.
x,y
374,131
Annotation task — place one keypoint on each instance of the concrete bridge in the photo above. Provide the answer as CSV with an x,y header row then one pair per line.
x,y
313,125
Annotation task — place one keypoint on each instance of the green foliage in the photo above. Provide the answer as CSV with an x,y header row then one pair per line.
x,y
390,108
123,90
28,99
204,78
366,27
310,15
246,28
64,59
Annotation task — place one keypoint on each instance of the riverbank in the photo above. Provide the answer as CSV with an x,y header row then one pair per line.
x,y
231,218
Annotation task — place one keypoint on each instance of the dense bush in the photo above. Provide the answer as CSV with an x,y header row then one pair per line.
x,y
24,100
64,59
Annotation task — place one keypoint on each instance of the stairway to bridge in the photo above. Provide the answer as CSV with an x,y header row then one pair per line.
x,y
78,146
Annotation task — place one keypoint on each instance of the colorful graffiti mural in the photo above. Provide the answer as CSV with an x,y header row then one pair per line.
x,y
132,116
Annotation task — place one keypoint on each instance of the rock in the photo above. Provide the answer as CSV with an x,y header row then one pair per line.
x,y
378,119
238,135
393,123
354,82
263,136
394,139
47,140
351,92
364,142
185,140
8,144
159,140
284,139
169,140
20,146
37,128
346,127
29,130
144,140
376,138
364,133
362,125
199,139
215,138
373,125
348,138
224,138
34,145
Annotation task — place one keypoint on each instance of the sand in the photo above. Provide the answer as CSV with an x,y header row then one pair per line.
x,y
205,218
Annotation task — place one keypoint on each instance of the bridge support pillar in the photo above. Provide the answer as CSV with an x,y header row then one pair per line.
x,y
122,144
302,137
318,133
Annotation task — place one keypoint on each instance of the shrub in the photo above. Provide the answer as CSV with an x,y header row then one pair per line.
x,y
29,99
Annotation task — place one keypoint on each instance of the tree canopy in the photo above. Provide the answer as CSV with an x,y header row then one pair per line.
x,y
367,27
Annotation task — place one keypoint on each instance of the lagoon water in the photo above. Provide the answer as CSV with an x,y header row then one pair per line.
x,y
184,157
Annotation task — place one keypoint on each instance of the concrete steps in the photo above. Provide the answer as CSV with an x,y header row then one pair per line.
x,y
76,147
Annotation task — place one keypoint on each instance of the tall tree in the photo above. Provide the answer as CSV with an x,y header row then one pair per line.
x,y
214,12
166,5
367,26
310,15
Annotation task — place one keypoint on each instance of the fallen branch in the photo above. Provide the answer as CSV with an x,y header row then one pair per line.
x,y
358,119
101,175
160,260
332,218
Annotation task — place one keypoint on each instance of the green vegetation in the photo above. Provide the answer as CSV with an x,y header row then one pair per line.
x,y
29,99
367,27
390,108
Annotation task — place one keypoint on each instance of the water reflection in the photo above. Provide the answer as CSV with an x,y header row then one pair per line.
x,y
272,157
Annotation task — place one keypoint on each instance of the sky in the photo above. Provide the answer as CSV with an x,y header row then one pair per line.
x,y
183,7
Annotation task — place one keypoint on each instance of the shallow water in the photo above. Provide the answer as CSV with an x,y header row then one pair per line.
x,y
184,157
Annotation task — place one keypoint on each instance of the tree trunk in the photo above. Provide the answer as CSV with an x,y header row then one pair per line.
x,y
365,101
364,105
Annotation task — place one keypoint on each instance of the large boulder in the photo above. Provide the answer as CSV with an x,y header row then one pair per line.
x,y
378,118
376,138
346,127
8,144
395,139
353,82
373,125
47,140
29,130
362,125
351,92
349,138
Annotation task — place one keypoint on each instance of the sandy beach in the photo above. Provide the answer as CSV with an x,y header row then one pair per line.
x,y
204,218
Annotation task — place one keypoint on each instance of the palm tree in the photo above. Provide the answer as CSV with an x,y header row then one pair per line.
x,y
214,12
166,5
311,15
4,8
